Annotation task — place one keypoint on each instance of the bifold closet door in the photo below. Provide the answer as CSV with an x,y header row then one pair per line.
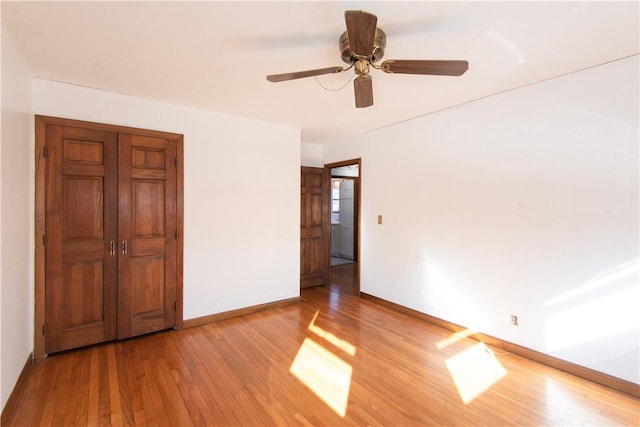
x,y
81,221
147,233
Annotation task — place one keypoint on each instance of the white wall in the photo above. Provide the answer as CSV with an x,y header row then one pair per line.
x,y
524,203
16,199
311,155
242,185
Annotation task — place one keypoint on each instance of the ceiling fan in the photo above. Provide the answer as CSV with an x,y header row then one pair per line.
x,y
362,46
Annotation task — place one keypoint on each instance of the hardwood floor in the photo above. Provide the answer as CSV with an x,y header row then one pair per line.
x,y
344,279
333,359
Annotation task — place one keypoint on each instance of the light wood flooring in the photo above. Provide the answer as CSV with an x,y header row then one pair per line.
x,y
334,359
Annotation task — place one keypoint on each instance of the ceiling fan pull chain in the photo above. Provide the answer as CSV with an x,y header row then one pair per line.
x,y
338,89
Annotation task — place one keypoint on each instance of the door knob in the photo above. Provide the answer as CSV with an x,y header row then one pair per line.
x,y
124,247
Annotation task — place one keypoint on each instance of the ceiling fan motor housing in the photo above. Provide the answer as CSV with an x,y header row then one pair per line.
x,y
380,42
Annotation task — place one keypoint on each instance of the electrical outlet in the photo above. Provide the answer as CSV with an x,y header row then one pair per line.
x,y
379,219
514,320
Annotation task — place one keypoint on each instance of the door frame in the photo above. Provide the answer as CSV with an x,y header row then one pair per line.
x,y
356,217
41,123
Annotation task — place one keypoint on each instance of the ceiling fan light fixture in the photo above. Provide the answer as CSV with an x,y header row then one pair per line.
x,y
361,46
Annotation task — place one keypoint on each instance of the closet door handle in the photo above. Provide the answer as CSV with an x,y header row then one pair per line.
x,y
112,248
124,247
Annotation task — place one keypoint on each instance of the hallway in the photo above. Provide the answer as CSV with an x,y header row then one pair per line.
x,y
344,279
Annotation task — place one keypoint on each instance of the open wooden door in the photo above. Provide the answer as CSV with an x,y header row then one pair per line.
x,y
315,232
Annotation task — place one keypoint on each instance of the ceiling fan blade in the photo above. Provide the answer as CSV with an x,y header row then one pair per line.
x,y
440,68
361,29
301,74
364,91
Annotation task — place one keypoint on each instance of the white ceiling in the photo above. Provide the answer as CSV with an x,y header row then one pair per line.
x,y
215,55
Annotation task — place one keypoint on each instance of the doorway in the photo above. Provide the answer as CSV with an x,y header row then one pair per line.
x,y
345,220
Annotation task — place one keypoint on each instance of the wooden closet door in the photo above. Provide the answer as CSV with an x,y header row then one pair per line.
x,y
147,233
80,224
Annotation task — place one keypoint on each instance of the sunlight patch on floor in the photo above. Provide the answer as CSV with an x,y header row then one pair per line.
x,y
474,371
454,338
324,373
340,343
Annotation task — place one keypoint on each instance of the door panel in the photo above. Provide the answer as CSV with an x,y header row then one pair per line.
x,y
83,290
316,211
314,227
80,291
83,208
148,296
147,232
148,208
